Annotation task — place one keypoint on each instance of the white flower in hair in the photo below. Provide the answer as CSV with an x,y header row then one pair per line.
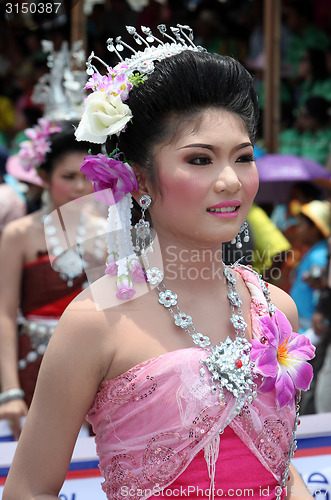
x,y
103,115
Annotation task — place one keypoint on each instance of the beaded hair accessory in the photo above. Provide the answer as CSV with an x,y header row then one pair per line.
x,y
105,114
60,91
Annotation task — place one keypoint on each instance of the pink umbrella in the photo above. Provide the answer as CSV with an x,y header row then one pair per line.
x,y
278,173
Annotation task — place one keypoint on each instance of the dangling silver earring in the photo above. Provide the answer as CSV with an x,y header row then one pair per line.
x,y
144,244
143,231
237,240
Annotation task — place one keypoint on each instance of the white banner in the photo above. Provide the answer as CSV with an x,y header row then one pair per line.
x,y
83,482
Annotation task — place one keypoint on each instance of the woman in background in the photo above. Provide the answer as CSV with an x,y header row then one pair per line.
x,y
37,281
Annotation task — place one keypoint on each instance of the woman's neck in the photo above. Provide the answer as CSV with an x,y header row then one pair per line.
x,y
188,266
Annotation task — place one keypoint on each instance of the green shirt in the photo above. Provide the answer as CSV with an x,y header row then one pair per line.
x,y
321,88
313,37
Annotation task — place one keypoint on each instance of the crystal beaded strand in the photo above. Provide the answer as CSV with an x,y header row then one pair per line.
x,y
228,363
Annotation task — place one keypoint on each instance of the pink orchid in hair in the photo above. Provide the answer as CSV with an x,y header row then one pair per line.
x,y
112,266
125,288
280,356
116,82
112,179
33,151
137,272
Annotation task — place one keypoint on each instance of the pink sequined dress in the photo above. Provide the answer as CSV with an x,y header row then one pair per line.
x,y
160,431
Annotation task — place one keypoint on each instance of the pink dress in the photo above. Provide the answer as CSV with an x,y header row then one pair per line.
x,y
160,431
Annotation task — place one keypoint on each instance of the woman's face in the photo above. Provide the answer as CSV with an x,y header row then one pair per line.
x,y
67,182
305,66
208,180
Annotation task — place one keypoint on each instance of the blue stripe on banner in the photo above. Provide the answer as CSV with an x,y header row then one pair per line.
x,y
87,465
314,442
6,439
4,471
90,464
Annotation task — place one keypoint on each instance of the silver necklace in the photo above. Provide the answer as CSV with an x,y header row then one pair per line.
x,y
228,363
70,263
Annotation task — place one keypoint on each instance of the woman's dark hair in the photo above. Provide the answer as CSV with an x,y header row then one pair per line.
x,y
318,108
179,89
64,142
317,61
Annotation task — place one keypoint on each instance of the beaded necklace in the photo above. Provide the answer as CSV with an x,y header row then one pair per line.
x,y
228,363
69,262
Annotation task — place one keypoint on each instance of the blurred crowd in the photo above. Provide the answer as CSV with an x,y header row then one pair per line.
x,y
290,244
233,27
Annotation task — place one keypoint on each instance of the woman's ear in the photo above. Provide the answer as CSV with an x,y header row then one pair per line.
x,y
45,178
144,184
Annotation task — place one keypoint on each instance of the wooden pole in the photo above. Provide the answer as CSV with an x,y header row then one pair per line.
x,y
271,117
78,23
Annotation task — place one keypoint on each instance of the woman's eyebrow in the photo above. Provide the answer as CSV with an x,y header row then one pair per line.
x,y
212,148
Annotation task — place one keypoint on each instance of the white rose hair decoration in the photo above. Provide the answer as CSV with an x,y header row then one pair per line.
x,y
105,114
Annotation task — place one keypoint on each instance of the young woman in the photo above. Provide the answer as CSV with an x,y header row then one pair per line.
x,y
177,407
40,290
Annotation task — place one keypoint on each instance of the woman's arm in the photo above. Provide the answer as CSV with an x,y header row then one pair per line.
x,y
296,488
76,360
11,265
286,304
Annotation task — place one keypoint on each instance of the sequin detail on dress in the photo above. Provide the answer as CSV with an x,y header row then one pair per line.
x,y
161,433
120,476
270,443
162,462
124,389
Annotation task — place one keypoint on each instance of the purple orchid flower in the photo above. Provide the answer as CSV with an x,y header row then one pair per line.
x,y
99,82
33,151
281,357
111,178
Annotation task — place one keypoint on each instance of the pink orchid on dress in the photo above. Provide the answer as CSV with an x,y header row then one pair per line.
x,y
281,356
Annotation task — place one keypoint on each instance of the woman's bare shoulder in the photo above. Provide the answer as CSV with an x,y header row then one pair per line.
x,y
99,303
18,228
284,302
101,295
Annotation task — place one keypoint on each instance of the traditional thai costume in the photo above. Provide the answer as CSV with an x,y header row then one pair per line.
x,y
44,297
161,431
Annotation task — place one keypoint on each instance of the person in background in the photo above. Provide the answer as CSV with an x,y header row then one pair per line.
x,y
318,398
316,80
298,17
39,281
322,328
310,135
12,206
285,217
313,231
27,183
316,136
